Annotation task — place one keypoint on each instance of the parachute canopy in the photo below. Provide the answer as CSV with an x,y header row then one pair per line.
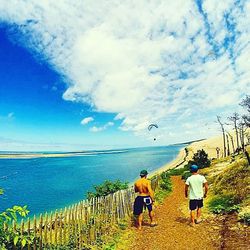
x,y
152,126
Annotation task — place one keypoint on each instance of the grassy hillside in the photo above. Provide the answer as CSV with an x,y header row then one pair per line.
x,y
229,180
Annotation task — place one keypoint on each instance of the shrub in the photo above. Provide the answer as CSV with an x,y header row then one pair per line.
x,y
9,238
165,182
108,187
223,204
165,187
200,159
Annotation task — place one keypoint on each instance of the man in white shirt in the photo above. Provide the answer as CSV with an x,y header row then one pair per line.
x,y
195,184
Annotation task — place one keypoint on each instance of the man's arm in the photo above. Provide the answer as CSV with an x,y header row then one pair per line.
x,y
135,188
186,190
205,185
150,191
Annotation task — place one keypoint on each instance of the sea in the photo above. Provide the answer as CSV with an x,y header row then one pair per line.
x,y
47,184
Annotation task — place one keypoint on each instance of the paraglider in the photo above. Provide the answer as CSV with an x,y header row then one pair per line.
x,y
152,126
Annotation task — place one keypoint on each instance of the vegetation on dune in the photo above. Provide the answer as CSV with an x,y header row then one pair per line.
x,y
222,204
164,187
200,158
165,182
108,187
230,191
233,181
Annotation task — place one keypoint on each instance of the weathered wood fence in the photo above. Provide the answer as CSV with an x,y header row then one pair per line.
x,y
81,224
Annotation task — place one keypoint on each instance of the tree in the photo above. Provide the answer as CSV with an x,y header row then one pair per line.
x,y
246,104
232,141
242,132
200,159
228,150
223,134
234,119
245,122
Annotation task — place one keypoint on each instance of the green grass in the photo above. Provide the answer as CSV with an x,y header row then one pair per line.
x,y
229,191
223,204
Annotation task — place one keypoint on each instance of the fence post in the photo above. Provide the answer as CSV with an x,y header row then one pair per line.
x,y
34,228
28,231
41,232
50,230
55,223
46,230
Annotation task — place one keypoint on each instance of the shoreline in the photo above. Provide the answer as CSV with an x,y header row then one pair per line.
x,y
209,145
178,161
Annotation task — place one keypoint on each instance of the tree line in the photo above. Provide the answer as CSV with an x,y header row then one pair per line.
x,y
239,128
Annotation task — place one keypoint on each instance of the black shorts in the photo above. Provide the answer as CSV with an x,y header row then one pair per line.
x,y
193,204
142,202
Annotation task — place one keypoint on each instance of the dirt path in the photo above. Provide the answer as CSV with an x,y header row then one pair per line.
x,y
173,230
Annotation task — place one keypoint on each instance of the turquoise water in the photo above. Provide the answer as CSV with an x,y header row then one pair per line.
x,y
45,184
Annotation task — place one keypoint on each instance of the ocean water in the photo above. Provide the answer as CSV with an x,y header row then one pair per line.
x,y
46,184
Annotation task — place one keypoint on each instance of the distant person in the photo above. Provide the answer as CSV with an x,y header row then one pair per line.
x,y
195,184
145,199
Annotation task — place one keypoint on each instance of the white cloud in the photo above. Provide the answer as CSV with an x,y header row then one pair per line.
x,y
87,120
102,128
143,60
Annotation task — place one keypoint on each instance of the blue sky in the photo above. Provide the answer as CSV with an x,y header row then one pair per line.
x,y
33,112
97,77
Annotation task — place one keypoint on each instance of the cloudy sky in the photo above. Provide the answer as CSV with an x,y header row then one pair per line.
x,y
94,74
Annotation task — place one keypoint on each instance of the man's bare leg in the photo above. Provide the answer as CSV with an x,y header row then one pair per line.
x,y
198,213
152,216
198,220
139,221
192,216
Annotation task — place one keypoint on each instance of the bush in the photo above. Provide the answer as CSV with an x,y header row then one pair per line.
x,y
165,182
165,187
200,159
223,204
9,238
108,187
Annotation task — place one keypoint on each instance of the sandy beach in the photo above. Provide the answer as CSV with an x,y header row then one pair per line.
x,y
209,145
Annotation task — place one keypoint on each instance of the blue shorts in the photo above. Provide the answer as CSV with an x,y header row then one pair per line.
x,y
142,202
193,204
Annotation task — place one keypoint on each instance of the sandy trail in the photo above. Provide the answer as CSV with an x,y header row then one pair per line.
x,y
173,230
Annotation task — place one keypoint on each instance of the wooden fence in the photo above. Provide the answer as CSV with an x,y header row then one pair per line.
x,y
81,224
